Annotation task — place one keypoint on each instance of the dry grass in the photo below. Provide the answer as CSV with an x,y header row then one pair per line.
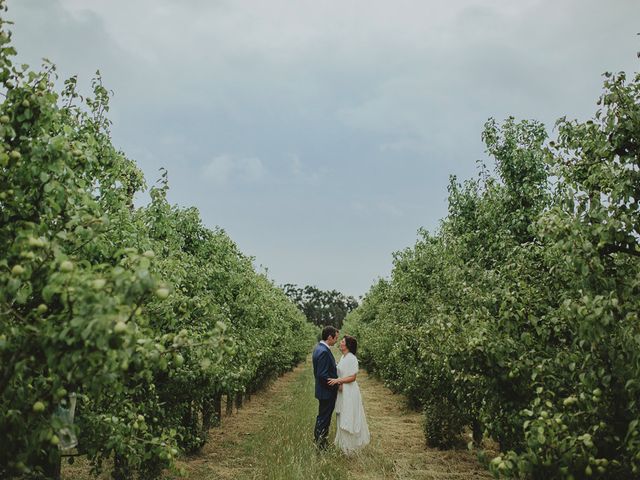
x,y
271,438
397,434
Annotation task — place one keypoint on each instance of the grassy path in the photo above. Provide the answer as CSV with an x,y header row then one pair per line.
x,y
271,438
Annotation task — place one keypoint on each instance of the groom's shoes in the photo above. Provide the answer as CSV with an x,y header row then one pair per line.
x,y
321,444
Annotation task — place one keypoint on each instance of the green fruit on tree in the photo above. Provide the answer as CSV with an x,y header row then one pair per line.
x,y
54,440
162,292
98,283
36,242
5,119
42,308
120,327
179,360
38,407
15,155
66,266
162,365
17,270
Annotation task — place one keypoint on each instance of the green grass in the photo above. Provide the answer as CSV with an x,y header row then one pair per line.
x,y
283,449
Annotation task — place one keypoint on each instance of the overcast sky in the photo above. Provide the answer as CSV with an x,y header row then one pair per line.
x,y
321,134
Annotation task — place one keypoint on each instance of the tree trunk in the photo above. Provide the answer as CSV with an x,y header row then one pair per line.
x,y
207,415
211,412
51,464
121,470
229,404
217,409
477,433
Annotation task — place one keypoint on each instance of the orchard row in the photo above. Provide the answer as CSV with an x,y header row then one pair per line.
x,y
142,317
518,319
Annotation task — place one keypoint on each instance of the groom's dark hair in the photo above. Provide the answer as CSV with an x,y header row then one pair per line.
x,y
351,343
329,331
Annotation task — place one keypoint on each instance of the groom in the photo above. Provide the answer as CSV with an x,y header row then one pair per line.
x,y
324,368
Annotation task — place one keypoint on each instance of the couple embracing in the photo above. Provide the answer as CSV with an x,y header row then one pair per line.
x,y
337,389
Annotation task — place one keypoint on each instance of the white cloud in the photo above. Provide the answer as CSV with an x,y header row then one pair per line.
x,y
225,169
376,208
390,209
301,172
296,165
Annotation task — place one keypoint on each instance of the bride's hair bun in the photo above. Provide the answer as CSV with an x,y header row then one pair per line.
x,y
351,343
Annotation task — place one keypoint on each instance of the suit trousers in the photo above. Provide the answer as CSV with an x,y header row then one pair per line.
x,y
323,420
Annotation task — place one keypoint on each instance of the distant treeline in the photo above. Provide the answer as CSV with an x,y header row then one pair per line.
x,y
321,307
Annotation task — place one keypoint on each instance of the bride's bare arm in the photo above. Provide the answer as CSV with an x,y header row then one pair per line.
x,y
349,379
341,380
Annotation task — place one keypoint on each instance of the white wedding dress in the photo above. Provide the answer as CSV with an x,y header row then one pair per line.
x,y
352,431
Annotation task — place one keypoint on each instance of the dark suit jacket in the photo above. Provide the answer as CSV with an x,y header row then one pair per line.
x,y
324,368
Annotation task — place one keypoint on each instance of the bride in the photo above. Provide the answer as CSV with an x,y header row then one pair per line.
x,y
352,431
